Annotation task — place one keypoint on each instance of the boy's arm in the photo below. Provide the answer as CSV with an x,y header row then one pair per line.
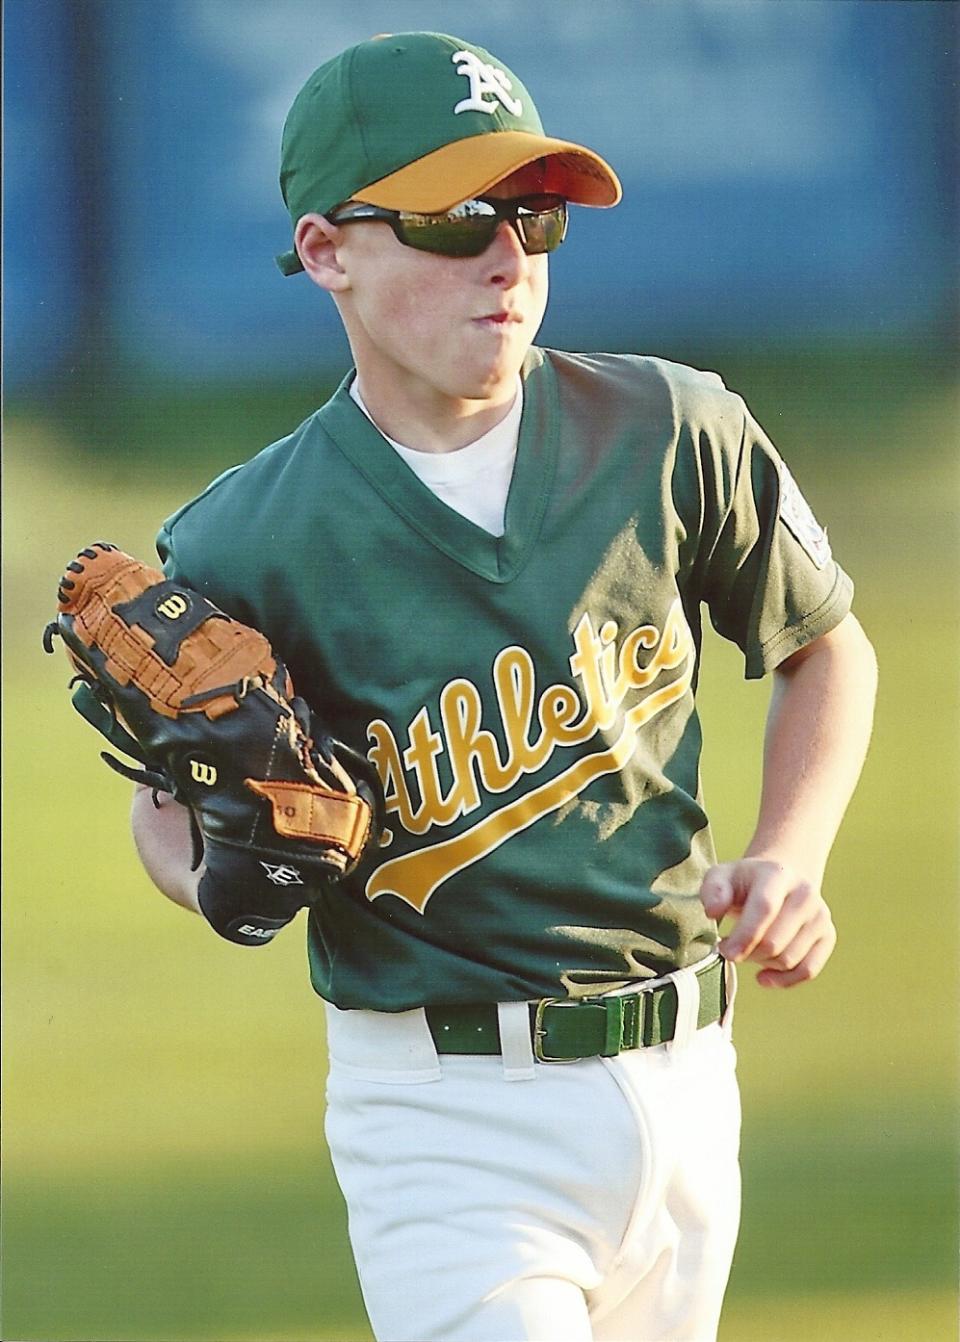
x,y
818,729
162,836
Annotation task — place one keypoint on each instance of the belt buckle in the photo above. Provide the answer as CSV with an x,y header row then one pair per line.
x,y
539,1033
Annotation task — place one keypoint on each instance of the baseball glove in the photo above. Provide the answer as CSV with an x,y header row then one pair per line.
x,y
279,808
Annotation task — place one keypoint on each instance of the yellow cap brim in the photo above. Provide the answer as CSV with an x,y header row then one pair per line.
x,y
465,168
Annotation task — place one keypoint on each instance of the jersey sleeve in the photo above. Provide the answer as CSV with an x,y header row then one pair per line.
x,y
168,555
188,547
767,574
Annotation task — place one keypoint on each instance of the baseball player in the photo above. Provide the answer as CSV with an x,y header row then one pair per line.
x,y
485,563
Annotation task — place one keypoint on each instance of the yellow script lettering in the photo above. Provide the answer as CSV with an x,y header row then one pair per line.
x,y
606,679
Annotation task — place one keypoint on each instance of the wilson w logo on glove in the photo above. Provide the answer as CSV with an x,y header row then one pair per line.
x,y
210,714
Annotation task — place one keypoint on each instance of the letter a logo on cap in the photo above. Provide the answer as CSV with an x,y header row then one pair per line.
x,y
484,78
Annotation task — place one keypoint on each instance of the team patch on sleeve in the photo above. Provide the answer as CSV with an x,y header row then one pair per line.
x,y
797,515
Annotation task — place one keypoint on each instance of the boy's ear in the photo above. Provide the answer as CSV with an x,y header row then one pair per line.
x,y
316,239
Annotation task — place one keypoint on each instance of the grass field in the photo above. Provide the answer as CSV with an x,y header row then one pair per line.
x,y
165,1176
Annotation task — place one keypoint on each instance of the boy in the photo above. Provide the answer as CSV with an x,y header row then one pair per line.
x,y
484,563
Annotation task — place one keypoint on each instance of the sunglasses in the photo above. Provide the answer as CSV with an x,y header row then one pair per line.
x,y
540,223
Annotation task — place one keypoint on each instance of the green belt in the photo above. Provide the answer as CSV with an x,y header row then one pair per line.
x,y
567,1029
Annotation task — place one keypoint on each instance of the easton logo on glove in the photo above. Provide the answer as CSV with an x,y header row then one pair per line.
x,y
208,711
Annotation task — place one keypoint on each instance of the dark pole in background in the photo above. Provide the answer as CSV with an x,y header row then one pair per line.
x,y
92,363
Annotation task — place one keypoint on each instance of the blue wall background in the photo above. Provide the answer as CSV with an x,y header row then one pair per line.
x,y
789,170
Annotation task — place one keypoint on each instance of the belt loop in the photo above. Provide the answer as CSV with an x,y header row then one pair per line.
x,y
516,1048
730,992
688,1009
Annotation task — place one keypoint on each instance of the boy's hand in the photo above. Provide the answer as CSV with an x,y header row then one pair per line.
x,y
782,922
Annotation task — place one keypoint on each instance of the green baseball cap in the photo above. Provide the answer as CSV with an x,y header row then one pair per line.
x,y
420,121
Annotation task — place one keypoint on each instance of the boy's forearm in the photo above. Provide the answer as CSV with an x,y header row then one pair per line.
x,y
162,837
818,730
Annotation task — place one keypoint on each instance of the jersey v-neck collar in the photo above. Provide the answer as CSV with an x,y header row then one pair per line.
x,y
498,559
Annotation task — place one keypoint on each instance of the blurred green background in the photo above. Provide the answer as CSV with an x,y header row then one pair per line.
x,y
789,219
165,1171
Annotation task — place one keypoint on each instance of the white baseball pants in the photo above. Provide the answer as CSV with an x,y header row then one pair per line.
x,y
491,1200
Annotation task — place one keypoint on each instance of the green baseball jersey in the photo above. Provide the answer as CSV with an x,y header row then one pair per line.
x,y
529,700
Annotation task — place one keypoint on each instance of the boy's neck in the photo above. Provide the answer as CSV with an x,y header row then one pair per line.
x,y
429,420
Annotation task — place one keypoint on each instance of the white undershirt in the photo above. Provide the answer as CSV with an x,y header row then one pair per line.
x,y
473,480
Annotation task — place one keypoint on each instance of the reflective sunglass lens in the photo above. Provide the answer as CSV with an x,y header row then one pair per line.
x,y
469,228
448,235
453,234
